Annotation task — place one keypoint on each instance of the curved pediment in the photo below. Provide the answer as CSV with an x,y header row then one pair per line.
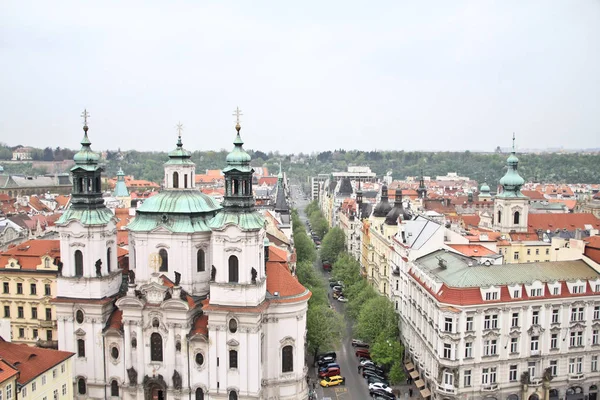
x,y
175,304
233,343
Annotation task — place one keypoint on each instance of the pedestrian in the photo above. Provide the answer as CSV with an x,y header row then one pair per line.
x,y
408,381
410,392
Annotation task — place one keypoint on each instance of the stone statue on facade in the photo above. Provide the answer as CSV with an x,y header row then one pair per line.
x,y
98,267
547,377
131,276
525,378
177,278
176,380
254,273
132,374
213,273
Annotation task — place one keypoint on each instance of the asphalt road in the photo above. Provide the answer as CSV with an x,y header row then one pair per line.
x,y
356,386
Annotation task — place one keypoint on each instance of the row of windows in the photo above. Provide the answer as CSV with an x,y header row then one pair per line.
x,y
43,382
34,312
516,217
22,333
489,375
490,321
32,288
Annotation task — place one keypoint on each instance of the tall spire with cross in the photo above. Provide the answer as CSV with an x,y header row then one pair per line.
x,y
237,113
513,144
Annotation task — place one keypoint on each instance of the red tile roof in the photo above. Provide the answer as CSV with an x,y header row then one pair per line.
x,y
31,361
472,250
37,204
592,248
7,371
277,255
29,253
281,281
200,325
116,320
533,194
268,180
471,220
562,221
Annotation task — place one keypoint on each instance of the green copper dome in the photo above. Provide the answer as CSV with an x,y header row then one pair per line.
x,y
86,155
511,181
238,155
180,155
484,188
179,202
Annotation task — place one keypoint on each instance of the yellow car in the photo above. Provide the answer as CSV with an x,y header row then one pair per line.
x,y
333,381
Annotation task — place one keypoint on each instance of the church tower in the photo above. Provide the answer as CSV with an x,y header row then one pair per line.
x,y
238,275
511,207
89,277
180,169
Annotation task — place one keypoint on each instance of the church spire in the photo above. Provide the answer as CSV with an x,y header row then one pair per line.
x,y
512,182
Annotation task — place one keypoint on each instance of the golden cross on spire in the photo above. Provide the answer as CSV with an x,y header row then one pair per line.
x,y
179,127
237,114
85,116
513,142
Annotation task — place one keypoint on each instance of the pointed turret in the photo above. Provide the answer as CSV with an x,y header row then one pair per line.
x,y
512,182
120,187
281,205
180,170
383,207
422,190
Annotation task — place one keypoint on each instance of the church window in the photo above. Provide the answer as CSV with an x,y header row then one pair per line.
x,y
199,394
233,395
80,348
175,180
516,217
80,185
98,185
79,316
78,263
233,269
108,258
114,352
199,359
233,326
114,388
233,359
499,216
287,359
164,260
200,261
81,386
156,350
185,181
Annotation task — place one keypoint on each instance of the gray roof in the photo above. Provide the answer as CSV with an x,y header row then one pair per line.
x,y
418,231
35,181
458,273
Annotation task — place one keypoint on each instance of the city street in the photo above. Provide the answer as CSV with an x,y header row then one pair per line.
x,y
355,387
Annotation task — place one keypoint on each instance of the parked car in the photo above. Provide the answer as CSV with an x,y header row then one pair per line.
x,y
326,264
332,354
359,343
325,361
337,288
369,373
333,364
333,381
342,299
375,379
335,295
365,361
336,283
373,367
380,386
382,395
363,353
331,371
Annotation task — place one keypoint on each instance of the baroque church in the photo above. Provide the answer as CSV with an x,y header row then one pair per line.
x,y
202,313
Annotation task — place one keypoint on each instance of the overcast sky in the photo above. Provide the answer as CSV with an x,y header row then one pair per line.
x,y
308,75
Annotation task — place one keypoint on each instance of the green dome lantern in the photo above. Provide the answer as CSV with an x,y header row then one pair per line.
x,y
512,182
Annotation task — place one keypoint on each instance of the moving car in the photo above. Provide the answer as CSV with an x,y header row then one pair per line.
x,y
359,343
380,386
333,381
331,371
326,264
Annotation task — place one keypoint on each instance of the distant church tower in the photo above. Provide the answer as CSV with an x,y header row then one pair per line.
x,y
89,278
511,207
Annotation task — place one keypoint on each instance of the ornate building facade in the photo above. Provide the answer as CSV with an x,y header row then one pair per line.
x,y
203,313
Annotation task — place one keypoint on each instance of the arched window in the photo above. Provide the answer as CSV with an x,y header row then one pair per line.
x,y
185,181
200,261
233,359
156,348
108,258
78,263
516,217
164,260
499,216
287,359
199,394
233,395
80,348
114,388
175,180
81,386
233,269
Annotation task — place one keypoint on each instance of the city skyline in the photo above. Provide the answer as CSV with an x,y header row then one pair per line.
x,y
388,76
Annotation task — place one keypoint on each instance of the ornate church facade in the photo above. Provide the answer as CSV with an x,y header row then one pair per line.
x,y
202,313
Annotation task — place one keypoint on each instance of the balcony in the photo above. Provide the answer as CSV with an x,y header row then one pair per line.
x,y
448,390
535,353
47,323
489,387
535,381
576,377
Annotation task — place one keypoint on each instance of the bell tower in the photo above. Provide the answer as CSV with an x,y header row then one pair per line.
x,y
511,207
180,169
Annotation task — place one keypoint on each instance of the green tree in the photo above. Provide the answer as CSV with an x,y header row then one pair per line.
x,y
305,249
377,316
358,294
345,269
333,245
325,328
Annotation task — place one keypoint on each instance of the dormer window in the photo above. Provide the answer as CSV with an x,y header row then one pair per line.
x,y
536,292
491,296
578,289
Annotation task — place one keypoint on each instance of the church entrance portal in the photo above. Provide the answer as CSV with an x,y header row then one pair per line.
x,y
155,388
